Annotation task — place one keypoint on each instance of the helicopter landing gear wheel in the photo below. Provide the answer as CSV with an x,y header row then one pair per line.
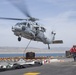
x,y
19,38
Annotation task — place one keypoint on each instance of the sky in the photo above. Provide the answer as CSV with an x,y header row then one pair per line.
x,y
56,15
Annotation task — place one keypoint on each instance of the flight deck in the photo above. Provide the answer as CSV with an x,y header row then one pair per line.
x,y
52,66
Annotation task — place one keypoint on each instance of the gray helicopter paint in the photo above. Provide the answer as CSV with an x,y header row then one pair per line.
x,y
29,33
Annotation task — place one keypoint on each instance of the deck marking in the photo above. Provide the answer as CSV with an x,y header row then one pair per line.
x,y
32,73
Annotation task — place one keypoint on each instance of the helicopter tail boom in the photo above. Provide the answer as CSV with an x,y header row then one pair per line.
x,y
53,39
57,42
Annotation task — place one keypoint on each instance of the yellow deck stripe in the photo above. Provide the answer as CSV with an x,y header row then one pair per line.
x,y
32,73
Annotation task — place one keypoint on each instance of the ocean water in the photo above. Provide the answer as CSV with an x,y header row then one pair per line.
x,y
41,54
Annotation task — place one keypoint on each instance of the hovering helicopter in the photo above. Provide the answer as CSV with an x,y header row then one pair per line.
x,y
30,28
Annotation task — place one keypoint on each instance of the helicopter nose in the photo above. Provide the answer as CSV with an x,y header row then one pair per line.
x,y
13,28
16,28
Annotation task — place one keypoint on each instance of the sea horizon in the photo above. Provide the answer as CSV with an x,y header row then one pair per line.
x,y
36,54
21,50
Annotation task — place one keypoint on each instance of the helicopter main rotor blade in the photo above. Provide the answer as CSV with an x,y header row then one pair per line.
x,y
12,18
20,4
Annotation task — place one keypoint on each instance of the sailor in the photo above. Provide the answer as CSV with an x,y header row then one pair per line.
x,y
73,52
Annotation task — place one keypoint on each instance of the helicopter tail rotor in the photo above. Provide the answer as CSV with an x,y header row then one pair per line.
x,y
53,35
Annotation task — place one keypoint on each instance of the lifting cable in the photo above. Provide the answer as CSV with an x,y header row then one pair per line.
x,y
26,48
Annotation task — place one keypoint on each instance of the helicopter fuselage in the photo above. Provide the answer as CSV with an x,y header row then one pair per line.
x,y
31,31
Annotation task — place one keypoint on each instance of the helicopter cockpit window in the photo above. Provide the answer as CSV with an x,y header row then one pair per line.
x,y
28,25
43,29
24,23
18,24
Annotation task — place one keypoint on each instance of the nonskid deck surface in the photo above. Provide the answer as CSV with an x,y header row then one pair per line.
x,y
68,67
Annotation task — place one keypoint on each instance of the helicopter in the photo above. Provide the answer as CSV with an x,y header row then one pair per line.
x,y
30,28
